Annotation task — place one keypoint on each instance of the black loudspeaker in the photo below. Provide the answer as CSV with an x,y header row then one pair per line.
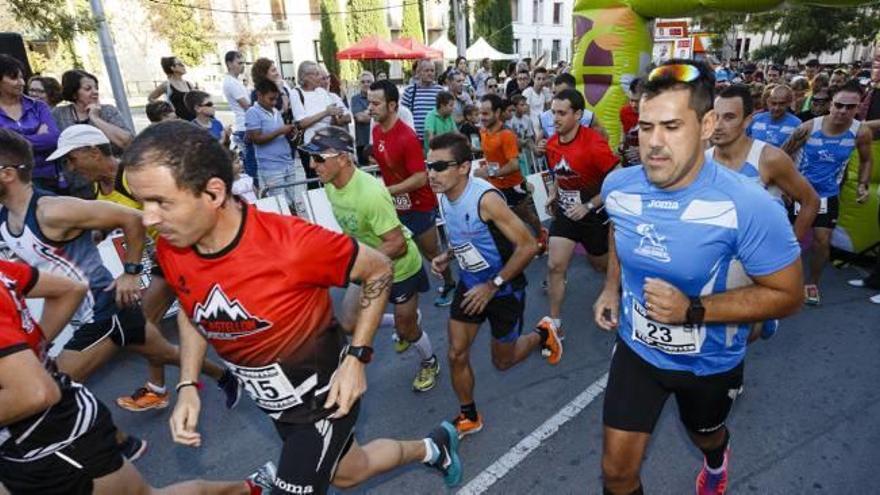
x,y
13,45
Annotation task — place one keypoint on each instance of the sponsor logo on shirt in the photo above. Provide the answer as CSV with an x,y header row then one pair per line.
x,y
651,245
663,205
826,156
220,318
563,168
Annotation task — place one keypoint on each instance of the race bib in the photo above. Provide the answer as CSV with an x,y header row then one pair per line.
x,y
402,201
469,258
569,198
823,206
269,387
671,339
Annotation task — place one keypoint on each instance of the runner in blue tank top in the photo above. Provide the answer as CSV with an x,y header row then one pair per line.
x,y
764,164
686,232
492,247
823,147
777,124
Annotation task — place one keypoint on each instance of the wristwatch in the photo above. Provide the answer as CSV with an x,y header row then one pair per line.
x,y
133,268
695,312
363,354
498,282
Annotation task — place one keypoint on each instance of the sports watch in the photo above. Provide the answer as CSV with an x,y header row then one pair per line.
x,y
695,312
498,282
133,268
363,354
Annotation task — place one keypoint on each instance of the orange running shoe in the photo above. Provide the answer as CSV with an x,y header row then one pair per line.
x,y
552,345
466,426
143,399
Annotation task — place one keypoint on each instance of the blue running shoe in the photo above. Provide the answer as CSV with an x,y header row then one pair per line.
x,y
445,438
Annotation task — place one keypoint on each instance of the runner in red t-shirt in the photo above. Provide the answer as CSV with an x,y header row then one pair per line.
x,y
399,153
256,286
55,436
579,159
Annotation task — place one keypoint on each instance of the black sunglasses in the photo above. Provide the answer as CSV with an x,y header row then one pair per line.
x,y
440,165
847,106
319,158
207,104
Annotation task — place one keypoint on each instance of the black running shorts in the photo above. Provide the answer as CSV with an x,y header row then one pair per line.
x,y
312,451
504,312
591,231
71,470
637,391
403,291
127,327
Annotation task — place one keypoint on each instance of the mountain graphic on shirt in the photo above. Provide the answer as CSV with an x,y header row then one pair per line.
x,y
220,318
563,168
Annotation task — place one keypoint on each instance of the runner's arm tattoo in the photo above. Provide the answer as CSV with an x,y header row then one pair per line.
x,y
375,289
796,141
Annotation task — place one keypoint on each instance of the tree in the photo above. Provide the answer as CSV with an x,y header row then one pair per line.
x,y
334,37
367,18
53,22
802,30
493,21
412,21
187,32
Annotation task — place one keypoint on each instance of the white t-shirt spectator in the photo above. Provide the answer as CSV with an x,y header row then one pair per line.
x,y
537,101
234,90
314,102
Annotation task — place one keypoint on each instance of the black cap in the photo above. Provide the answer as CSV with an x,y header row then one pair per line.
x,y
329,138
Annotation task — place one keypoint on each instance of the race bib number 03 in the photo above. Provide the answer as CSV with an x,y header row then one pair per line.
x,y
569,198
469,259
402,201
269,387
671,339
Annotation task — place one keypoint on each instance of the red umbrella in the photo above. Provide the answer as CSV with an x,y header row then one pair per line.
x,y
375,48
419,47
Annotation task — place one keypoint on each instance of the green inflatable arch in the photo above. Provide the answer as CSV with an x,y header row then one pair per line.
x,y
612,39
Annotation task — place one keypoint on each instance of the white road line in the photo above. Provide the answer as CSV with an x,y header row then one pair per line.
x,y
520,451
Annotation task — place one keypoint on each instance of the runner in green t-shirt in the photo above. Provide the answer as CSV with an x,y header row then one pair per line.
x,y
440,121
364,209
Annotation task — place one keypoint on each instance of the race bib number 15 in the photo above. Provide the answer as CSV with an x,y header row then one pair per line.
x,y
270,388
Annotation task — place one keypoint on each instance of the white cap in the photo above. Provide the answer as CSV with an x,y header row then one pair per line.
x,y
78,136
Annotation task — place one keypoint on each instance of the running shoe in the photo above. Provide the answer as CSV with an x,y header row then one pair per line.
x,y
543,241
448,462
466,426
426,378
143,399
875,299
263,479
552,343
133,448
400,345
811,295
856,282
769,328
713,484
231,387
445,296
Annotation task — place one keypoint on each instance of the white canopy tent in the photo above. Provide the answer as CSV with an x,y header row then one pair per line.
x,y
450,51
482,49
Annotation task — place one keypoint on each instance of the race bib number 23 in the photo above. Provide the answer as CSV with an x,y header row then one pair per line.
x,y
671,339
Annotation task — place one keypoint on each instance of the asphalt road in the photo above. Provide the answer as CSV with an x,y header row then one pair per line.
x,y
807,422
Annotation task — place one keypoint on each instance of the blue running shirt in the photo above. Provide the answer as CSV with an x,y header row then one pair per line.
x,y
480,248
704,239
824,157
751,168
775,132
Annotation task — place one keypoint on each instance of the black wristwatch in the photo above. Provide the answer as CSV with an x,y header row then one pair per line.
x,y
695,312
133,268
363,354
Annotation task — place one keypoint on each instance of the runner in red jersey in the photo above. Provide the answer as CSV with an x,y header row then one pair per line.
x,y
399,153
579,158
55,436
256,285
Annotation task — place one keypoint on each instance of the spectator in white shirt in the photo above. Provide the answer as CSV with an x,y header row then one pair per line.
x,y
538,95
239,101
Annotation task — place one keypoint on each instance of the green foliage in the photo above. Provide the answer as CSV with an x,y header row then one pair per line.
x,y
803,30
186,31
367,18
334,37
494,22
53,22
412,21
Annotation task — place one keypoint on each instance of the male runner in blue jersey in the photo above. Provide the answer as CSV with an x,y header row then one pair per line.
x,y
492,247
776,124
697,252
827,143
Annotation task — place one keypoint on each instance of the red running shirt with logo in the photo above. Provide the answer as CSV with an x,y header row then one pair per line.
x,y
582,163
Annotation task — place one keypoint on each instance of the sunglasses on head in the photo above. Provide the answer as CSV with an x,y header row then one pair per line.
x,y
323,157
440,165
846,106
679,72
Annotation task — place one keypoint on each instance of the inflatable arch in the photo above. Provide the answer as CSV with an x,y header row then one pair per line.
x,y
612,40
